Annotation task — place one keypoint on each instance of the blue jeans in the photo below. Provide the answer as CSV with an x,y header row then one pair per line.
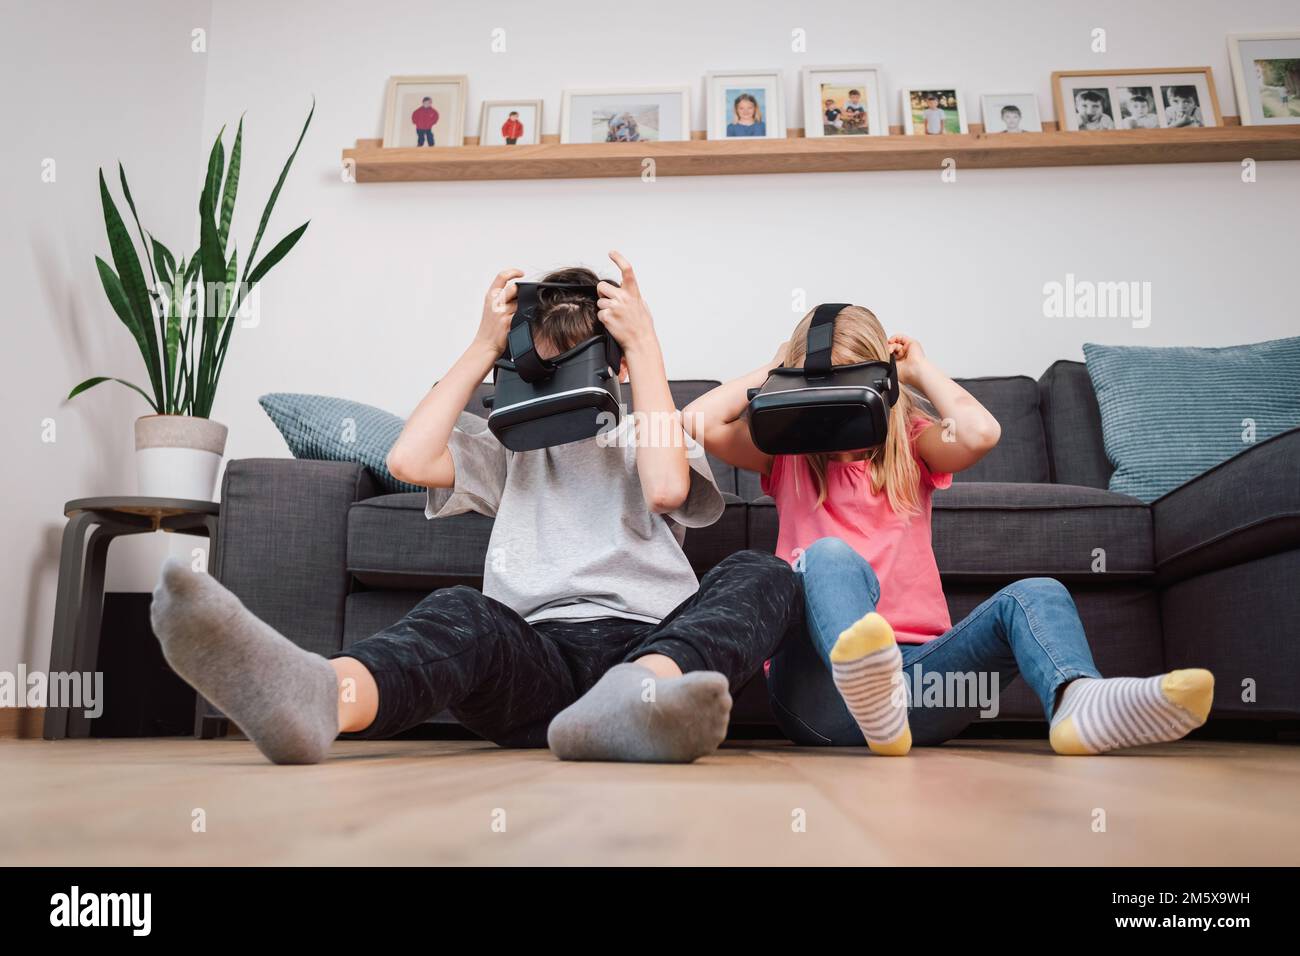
x,y
421,135
1029,628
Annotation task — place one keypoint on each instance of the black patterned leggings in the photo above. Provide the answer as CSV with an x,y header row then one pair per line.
x,y
505,679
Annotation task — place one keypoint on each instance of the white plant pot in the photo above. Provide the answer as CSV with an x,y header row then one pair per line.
x,y
177,456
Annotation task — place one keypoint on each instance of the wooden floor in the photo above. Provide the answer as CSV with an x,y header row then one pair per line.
x,y
124,802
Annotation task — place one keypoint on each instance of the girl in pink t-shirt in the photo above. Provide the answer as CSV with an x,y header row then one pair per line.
x,y
878,659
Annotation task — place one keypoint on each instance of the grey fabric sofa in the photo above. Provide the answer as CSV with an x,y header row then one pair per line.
x,y
1208,575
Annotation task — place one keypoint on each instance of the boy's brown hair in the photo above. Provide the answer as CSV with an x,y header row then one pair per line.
x,y
564,317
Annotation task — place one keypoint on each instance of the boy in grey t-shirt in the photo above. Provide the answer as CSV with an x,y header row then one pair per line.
x,y
591,633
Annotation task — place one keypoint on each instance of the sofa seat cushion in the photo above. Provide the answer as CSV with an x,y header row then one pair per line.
x,y
391,544
1245,508
998,530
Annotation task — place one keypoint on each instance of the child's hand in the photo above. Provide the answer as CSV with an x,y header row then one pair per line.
x,y
910,357
623,311
498,310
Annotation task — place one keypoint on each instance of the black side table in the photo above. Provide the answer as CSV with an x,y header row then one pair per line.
x,y
79,603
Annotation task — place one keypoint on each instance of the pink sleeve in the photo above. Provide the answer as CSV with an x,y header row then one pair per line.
x,y
935,479
772,478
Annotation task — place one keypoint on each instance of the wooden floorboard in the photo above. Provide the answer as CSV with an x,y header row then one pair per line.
x,y
122,802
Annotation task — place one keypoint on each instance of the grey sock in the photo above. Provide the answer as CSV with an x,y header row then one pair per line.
x,y
631,715
284,698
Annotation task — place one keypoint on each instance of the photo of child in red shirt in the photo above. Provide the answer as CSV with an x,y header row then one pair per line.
x,y
512,129
425,119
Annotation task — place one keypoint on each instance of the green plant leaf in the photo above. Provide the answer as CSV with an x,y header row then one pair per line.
x,y
132,283
278,252
231,186
92,382
164,261
216,163
117,298
126,191
270,203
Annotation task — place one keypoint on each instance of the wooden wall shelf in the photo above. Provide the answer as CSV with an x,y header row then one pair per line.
x,y
698,157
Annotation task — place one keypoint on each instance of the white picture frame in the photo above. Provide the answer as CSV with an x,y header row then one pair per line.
x,y
669,107
494,113
1103,95
1254,100
448,95
950,100
820,83
724,93
993,104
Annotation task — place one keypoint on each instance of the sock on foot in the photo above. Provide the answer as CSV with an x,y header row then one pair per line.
x,y
685,719
1097,715
867,666
284,698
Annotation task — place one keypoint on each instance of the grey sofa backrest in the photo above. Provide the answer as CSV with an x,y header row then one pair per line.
x,y
1021,454
1072,422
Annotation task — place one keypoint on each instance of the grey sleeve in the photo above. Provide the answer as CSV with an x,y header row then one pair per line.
x,y
703,504
480,472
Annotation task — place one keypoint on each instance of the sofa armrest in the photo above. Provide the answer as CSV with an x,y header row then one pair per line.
x,y
282,543
1245,508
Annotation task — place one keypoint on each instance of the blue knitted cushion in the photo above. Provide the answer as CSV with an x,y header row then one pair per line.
x,y
1169,414
335,429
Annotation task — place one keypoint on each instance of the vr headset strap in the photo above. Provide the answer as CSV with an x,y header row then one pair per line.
x,y
523,352
821,336
893,380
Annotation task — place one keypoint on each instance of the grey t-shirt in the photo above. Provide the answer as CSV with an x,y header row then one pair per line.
x,y
573,536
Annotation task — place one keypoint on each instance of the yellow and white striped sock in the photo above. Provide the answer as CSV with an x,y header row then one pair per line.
x,y
1097,715
868,669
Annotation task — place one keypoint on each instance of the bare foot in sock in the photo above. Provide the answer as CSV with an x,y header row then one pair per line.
x,y
284,698
685,719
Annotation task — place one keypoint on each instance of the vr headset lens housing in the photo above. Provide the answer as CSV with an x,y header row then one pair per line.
x,y
823,407
572,396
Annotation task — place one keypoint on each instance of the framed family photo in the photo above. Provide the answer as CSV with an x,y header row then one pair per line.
x,y
1172,98
745,104
1266,76
510,123
1010,113
657,114
425,111
933,110
844,101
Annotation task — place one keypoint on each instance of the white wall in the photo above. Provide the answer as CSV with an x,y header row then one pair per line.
x,y
385,286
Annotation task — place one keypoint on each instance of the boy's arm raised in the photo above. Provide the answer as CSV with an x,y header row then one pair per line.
x,y
420,454
660,457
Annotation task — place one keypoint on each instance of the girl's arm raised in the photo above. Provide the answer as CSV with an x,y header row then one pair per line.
x,y
716,419
967,431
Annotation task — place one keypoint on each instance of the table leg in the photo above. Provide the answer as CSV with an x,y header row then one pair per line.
x,y
67,612
90,620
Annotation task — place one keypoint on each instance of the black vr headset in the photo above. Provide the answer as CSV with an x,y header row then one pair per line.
x,y
542,402
823,407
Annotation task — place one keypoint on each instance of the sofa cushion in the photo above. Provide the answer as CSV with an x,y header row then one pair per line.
x,y
391,544
1248,507
1021,454
995,530
1168,414
1072,424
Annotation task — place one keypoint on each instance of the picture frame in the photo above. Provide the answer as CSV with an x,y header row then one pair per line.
x,y
1264,97
1026,116
733,98
1159,98
446,96
836,84
946,116
495,114
646,114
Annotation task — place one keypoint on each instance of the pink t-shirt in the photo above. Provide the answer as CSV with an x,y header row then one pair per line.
x,y
897,546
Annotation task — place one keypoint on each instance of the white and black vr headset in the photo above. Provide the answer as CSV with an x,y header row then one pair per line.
x,y
823,407
543,402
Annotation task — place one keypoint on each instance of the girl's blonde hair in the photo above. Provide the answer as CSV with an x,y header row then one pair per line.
x,y
859,337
